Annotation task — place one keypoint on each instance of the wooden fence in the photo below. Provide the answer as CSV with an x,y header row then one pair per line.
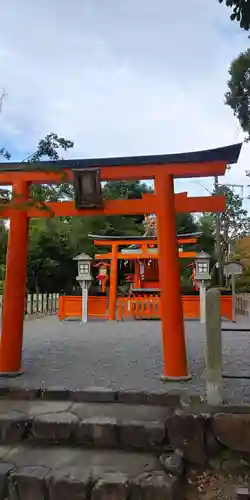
x,y
243,304
149,307
42,304
144,307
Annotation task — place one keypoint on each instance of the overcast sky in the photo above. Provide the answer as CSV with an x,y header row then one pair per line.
x,y
120,77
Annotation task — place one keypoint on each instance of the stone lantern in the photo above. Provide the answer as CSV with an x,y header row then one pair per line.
x,y
202,278
202,267
84,277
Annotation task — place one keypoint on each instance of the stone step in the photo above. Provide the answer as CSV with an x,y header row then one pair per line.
x,y
65,473
97,425
93,395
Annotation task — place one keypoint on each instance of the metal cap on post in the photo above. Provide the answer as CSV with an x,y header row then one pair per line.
x,y
213,348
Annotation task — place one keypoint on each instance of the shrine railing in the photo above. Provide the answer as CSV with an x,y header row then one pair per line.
x,y
149,307
143,307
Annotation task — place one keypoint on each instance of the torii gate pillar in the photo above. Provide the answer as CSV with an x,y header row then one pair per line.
x,y
173,336
15,286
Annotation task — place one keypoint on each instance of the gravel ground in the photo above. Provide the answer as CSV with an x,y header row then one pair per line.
x,y
124,355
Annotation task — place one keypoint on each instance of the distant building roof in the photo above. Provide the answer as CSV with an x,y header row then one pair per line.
x,y
137,237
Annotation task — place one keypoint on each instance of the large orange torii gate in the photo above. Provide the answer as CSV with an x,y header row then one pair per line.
x,y
163,169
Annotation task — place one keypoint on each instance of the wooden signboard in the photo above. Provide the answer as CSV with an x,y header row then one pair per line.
x,y
87,187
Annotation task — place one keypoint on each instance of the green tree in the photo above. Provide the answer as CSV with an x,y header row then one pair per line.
x,y
238,94
51,148
49,252
234,225
240,11
206,226
185,223
109,225
234,221
50,266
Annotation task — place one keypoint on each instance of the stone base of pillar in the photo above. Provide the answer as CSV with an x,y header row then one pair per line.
x,y
185,378
11,374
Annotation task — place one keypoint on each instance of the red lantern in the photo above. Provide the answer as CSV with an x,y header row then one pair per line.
x,y
129,278
102,274
103,270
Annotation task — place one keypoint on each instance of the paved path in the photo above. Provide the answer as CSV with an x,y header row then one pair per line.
x,y
123,355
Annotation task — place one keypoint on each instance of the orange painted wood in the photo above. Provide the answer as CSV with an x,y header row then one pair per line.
x,y
113,283
123,207
227,307
149,284
165,204
147,242
187,241
201,204
141,256
15,287
151,273
145,307
191,306
131,172
110,243
71,307
173,336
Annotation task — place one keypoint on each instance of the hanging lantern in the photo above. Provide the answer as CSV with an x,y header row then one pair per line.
x,y
103,270
142,269
102,275
129,278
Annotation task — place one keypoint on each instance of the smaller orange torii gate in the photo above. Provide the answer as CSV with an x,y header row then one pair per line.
x,y
163,169
183,203
144,252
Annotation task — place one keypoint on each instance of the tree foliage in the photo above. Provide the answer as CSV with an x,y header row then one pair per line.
x,y
51,148
238,94
54,241
242,251
240,11
234,221
234,224
206,226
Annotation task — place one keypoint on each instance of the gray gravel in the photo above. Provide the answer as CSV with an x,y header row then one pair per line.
x,y
123,355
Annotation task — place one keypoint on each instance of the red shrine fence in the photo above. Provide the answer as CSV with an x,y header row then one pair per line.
x,y
137,308
149,307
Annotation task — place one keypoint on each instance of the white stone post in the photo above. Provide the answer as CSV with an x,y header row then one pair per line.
x,y
233,299
84,302
213,355
202,287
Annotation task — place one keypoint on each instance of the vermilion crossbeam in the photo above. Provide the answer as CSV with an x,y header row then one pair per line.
x,y
124,207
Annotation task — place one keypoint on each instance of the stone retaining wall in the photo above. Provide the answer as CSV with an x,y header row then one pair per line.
x,y
199,434
198,438
179,435
92,395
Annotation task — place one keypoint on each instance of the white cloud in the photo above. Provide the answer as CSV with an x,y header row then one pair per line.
x,y
119,77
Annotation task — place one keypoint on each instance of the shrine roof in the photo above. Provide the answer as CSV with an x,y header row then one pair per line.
x,y
228,154
136,237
